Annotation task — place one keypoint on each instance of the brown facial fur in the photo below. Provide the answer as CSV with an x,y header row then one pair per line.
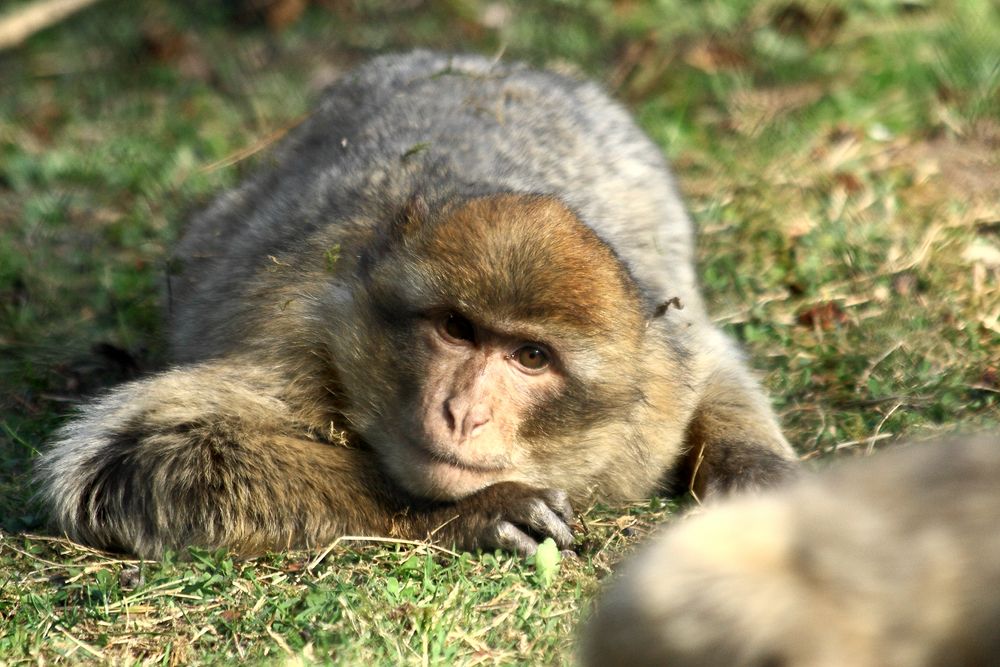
x,y
529,260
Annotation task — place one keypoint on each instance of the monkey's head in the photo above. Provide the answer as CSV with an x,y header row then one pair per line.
x,y
501,341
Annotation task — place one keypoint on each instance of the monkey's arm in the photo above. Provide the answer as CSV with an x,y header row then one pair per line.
x,y
211,456
733,440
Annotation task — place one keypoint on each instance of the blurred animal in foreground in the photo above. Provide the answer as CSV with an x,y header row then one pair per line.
x,y
892,561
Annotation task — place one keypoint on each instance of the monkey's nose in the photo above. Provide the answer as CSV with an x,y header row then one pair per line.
x,y
466,421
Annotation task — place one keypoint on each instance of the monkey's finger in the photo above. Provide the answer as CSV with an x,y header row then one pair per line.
x,y
543,520
558,500
509,537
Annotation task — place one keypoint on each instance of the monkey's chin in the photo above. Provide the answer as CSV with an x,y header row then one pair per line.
x,y
430,476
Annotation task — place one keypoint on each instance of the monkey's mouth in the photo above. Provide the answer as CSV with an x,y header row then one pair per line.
x,y
432,473
432,455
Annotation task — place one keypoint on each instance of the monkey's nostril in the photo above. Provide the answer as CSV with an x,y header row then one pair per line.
x,y
449,416
475,419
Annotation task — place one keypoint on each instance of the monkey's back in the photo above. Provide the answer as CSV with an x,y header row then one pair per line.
x,y
444,127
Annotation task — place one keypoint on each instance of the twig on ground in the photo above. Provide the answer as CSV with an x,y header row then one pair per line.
x,y
22,23
871,441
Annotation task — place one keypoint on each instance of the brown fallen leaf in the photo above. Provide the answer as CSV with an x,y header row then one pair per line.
x,y
825,315
283,13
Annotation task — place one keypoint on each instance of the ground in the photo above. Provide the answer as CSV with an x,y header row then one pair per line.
x,y
841,158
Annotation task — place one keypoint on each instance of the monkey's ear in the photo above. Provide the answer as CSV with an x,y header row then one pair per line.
x,y
403,224
411,216
662,308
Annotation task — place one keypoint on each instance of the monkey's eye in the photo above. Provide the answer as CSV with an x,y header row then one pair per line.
x,y
532,357
457,327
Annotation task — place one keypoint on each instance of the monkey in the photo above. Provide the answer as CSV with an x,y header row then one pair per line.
x,y
457,301
892,561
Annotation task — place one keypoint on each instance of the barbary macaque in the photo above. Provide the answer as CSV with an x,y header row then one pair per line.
x,y
888,562
456,302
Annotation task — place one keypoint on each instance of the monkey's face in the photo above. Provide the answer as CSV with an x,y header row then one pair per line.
x,y
464,406
502,334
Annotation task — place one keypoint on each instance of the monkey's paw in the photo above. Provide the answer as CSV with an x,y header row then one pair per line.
x,y
513,517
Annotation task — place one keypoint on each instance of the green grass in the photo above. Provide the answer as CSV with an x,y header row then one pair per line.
x,y
841,160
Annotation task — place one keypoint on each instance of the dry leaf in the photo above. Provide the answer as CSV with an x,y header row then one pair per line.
x,y
824,315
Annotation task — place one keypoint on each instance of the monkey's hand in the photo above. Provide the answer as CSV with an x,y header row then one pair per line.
x,y
510,516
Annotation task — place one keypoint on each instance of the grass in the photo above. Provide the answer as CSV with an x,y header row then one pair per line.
x,y
841,159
